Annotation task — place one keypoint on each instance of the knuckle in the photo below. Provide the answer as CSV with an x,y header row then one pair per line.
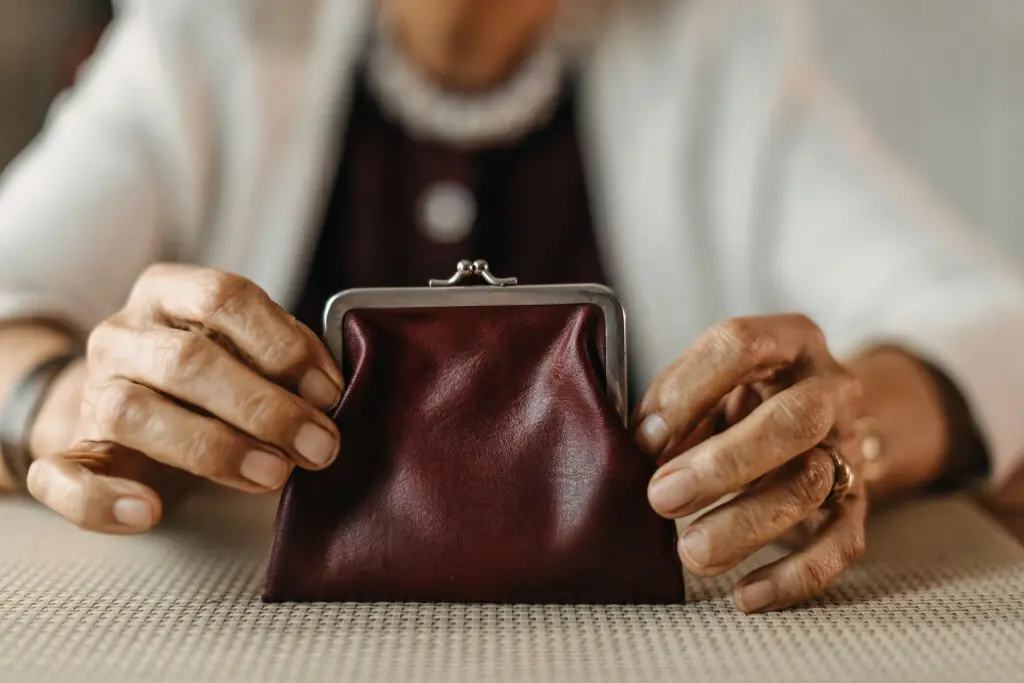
x,y
814,334
154,271
257,409
812,482
145,287
853,547
740,340
97,347
806,415
265,414
119,408
814,576
669,392
180,357
746,528
220,291
851,387
721,344
285,356
725,466
206,453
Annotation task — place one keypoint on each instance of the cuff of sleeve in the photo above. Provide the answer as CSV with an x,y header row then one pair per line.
x,y
983,355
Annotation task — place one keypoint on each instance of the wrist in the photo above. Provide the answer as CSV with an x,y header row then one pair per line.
x,y
906,408
26,348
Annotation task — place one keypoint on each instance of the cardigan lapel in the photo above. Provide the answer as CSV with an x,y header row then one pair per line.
x,y
292,215
636,146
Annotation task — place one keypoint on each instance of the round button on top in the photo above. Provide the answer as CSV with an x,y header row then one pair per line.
x,y
446,212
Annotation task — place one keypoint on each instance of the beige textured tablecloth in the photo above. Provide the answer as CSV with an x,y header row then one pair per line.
x,y
938,598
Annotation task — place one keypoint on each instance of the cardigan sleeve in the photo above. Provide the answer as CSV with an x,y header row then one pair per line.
x,y
99,194
816,217
859,244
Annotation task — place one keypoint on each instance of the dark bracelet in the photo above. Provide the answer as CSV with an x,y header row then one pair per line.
x,y
967,463
19,414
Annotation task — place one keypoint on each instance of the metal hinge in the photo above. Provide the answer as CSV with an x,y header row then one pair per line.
x,y
467,269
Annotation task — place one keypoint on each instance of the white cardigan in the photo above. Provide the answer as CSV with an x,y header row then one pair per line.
x,y
727,180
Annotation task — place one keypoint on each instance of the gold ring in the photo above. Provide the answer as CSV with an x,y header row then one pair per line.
x,y
844,478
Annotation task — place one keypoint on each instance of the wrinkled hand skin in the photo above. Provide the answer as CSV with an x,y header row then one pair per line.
x,y
746,410
199,377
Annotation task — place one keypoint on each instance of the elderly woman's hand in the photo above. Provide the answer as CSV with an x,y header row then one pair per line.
x,y
200,373
746,410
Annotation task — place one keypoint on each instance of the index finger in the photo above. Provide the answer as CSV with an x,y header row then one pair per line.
x,y
733,353
265,334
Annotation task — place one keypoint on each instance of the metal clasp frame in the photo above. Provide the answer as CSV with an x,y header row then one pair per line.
x,y
467,269
496,291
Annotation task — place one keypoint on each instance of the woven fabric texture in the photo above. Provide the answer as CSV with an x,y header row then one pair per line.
x,y
939,597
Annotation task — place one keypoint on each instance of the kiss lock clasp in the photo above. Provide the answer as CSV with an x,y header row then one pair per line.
x,y
467,269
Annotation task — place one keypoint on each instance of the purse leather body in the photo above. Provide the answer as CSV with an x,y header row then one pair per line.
x,y
480,462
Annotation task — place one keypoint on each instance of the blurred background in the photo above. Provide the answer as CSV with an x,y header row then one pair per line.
x,y
939,79
41,44
941,82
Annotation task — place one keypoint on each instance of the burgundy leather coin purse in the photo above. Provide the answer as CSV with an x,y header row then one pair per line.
x,y
484,455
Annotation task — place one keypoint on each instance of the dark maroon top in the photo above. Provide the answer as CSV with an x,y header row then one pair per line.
x,y
532,219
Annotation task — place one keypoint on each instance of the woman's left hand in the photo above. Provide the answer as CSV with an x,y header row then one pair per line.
x,y
747,409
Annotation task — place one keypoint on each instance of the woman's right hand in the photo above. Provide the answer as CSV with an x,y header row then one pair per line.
x,y
199,373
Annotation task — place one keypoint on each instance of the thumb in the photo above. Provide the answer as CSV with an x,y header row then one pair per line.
x,y
103,487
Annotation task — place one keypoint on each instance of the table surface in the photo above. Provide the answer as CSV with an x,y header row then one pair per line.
x,y
1011,517
939,597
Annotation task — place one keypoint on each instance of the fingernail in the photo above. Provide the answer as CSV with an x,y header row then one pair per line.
x,y
317,388
653,434
756,596
264,469
673,491
315,444
134,513
695,546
